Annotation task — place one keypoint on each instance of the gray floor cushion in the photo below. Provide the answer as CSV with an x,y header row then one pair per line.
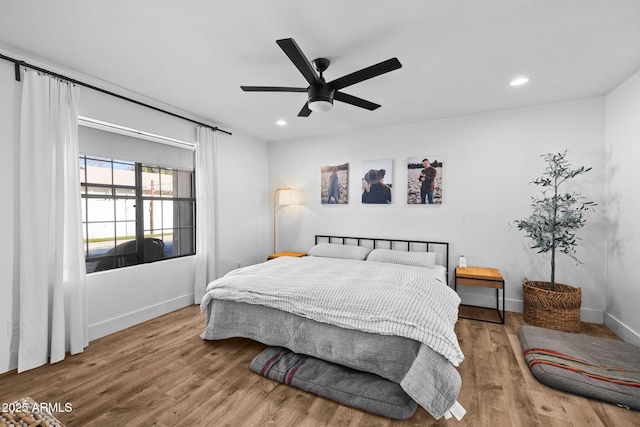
x,y
598,368
350,387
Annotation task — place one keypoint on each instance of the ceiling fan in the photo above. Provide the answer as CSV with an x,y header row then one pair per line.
x,y
320,93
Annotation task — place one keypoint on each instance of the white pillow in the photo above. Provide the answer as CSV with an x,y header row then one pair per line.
x,y
335,250
418,259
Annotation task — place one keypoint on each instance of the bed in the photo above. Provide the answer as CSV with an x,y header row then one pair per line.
x,y
376,305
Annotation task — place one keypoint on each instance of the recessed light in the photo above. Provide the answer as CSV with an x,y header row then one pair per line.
x,y
281,123
519,81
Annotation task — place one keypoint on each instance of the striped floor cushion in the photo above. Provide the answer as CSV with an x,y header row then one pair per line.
x,y
598,368
350,387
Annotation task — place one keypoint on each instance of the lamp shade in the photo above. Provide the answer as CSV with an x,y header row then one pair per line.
x,y
283,196
288,197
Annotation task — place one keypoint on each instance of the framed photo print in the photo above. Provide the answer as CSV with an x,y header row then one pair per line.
x,y
334,184
424,180
377,180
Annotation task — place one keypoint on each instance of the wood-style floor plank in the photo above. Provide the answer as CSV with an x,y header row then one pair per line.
x,y
160,373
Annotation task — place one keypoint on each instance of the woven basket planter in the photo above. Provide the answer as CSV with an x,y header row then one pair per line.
x,y
559,309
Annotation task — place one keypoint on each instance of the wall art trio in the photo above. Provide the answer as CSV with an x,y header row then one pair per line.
x,y
423,182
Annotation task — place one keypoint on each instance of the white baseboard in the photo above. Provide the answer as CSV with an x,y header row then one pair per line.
x,y
623,331
116,324
8,361
586,314
490,302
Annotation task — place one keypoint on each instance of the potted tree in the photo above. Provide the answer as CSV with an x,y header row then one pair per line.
x,y
552,226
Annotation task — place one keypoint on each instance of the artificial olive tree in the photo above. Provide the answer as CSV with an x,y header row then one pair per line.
x,y
556,215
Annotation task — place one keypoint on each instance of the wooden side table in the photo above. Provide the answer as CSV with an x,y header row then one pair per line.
x,y
485,278
293,254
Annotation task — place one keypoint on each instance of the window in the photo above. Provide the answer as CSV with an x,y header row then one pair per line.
x,y
134,213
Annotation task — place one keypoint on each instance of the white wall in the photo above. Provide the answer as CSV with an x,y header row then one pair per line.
x,y
122,298
489,161
623,208
243,203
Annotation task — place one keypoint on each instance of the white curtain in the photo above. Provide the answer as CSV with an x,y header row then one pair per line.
x,y
53,301
206,169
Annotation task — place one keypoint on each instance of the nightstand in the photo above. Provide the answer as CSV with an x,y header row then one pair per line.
x,y
485,278
293,254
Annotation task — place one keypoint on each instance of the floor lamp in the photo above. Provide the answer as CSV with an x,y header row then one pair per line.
x,y
288,196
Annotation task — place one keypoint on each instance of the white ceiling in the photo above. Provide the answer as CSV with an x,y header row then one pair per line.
x,y
458,56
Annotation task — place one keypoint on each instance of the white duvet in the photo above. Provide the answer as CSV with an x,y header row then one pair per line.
x,y
388,299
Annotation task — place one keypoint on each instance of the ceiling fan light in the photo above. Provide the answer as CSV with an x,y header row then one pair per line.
x,y
320,98
320,105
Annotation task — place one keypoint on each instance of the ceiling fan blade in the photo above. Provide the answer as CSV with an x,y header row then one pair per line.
x,y
354,100
305,111
366,73
293,51
272,89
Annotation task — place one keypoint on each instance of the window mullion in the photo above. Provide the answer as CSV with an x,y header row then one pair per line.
x,y
139,214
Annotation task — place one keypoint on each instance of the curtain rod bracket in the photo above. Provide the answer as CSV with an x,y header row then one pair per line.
x,y
17,67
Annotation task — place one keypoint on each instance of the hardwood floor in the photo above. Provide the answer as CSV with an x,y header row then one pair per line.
x,y
161,373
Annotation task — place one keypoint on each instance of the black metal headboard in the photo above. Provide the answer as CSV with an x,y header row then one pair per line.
x,y
441,248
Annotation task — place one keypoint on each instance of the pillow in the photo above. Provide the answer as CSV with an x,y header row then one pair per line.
x,y
418,259
334,250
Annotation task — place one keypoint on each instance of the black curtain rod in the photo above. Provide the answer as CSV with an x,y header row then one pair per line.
x,y
18,63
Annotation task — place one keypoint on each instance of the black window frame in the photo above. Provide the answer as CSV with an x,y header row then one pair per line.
x,y
137,256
